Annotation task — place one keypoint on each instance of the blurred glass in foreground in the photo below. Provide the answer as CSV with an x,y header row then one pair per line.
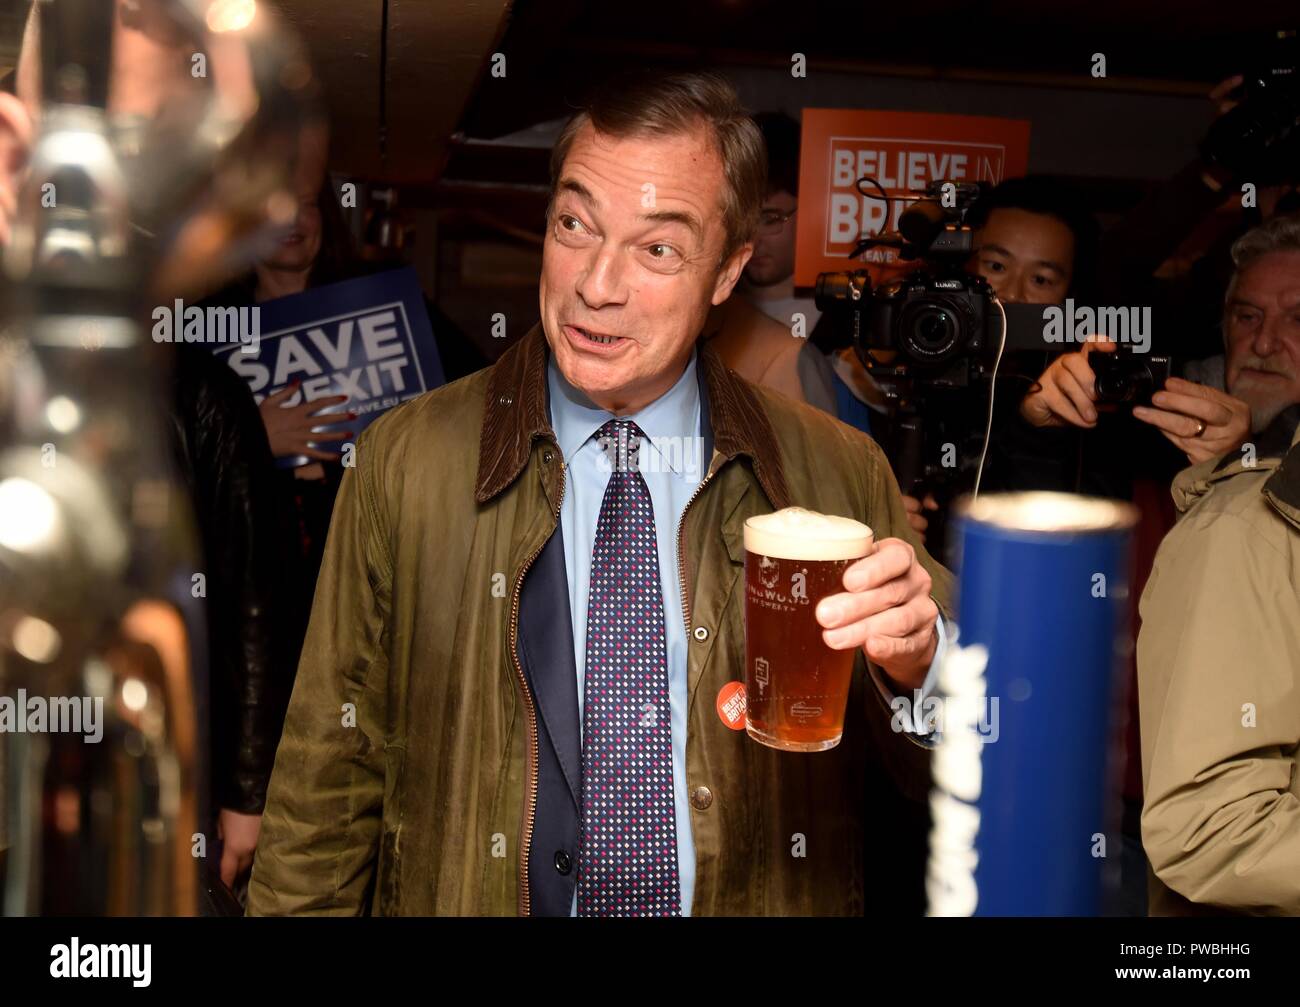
x,y
148,149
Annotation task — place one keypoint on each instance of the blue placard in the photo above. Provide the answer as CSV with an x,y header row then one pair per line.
x,y
368,338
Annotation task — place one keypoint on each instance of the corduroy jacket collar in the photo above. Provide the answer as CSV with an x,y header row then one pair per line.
x,y
514,415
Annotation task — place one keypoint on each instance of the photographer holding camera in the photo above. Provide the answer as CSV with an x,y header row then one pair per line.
x,y
1249,149
1201,421
1032,244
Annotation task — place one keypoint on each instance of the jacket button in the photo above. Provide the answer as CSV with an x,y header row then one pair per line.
x,y
563,862
547,456
505,400
701,633
701,798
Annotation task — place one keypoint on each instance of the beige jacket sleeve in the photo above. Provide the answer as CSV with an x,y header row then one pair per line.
x,y
1219,688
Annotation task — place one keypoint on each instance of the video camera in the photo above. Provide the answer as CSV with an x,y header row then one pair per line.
x,y
932,340
940,323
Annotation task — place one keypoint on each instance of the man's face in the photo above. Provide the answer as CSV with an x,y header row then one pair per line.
x,y
1027,258
630,263
773,259
1261,330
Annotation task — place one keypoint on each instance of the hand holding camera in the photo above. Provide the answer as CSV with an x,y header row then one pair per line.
x,y
1067,391
1201,421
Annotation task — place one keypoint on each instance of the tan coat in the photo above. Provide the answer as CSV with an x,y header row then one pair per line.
x,y
1219,689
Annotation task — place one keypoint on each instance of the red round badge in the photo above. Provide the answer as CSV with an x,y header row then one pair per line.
x,y
731,705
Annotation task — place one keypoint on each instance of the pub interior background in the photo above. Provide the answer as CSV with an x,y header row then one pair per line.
x,y
451,159
416,113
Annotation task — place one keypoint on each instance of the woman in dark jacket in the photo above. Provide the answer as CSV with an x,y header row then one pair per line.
x,y
223,454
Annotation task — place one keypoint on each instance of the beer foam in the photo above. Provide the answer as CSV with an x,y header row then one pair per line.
x,y
795,533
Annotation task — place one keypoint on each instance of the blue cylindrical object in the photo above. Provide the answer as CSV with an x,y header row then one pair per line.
x,y
1022,803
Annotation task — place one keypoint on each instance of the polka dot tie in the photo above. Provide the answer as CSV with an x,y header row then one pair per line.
x,y
627,845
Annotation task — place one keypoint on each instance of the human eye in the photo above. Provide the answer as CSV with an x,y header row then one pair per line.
x,y
569,225
662,255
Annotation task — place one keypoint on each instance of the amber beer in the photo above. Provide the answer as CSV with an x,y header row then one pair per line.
x,y
796,687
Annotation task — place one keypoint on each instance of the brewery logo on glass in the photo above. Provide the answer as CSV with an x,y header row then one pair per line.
x,y
797,686
768,593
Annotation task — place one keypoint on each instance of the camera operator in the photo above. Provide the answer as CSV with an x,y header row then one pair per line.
x,y
1034,244
1220,643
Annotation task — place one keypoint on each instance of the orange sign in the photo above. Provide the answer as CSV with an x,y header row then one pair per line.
x,y
903,151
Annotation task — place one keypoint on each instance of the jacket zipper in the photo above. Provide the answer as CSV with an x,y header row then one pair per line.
x,y
530,808
681,554
530,802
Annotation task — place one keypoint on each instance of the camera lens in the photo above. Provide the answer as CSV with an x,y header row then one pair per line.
x,y
835,290
930,331
1122,380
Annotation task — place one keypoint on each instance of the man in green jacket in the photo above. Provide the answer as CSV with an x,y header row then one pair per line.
x,y
438,756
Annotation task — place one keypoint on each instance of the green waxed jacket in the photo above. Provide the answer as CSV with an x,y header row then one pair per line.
x,y
405,783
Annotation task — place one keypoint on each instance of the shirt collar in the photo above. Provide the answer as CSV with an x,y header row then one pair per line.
x,y
574,417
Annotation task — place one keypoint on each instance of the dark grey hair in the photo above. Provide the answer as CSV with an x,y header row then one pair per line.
x,y
670,104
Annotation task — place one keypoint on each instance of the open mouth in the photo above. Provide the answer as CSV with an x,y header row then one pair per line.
x,y
597,338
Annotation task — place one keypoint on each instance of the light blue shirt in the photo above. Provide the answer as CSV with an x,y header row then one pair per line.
x,y
671,462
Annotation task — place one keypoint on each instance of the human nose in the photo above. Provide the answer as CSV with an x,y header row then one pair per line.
x,y
1008,288
601,283
1268,337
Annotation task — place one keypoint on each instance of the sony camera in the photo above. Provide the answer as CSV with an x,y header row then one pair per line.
x,y
1125,378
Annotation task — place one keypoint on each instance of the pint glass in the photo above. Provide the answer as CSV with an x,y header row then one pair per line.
x,y
796,687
